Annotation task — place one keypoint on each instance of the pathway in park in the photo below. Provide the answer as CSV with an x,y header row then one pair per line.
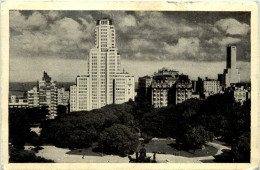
x,y
61,155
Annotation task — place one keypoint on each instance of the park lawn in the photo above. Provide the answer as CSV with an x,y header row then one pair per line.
x,y
168,146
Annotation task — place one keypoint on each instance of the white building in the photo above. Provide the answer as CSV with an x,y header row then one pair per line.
x,y
63,97
241,94
73,98
33,97
231,74
123,88
104,62
103,70
211,87
15,102
80,94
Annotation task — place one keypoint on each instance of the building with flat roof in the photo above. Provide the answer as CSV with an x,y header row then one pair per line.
x,y
144,88
17,102
80,94
207,87
231,74
63,97
123,88
33,97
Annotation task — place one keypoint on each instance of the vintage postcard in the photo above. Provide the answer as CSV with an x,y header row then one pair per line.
x,y
120,85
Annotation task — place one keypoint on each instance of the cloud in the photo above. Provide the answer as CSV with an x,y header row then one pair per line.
x,y
140,35
64,37
232,26
19,22
126,22
228,40
185,48
53,15
222,41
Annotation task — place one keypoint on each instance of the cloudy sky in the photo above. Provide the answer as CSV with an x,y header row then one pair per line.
x,y
193,43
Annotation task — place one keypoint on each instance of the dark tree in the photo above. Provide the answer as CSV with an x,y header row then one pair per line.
x,y
61,110
241,148
118,140
195,137
22,156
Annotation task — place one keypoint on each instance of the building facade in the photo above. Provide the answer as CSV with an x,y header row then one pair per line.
x,y
15,102
80,94
231,74
45,94
105,78
207,87
123,88
241,94
182,89
48,94
167,87
33,97
211,87
144,88
161,86
63,97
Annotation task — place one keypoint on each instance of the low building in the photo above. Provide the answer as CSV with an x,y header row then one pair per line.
x,y
208,87
241,94
63,97
16,102
33,97
80,94
211,87
195,96
123,88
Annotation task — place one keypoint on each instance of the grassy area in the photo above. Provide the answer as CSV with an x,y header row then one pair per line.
x,y
169,147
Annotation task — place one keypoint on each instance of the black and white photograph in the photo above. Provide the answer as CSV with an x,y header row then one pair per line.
x,y
129,86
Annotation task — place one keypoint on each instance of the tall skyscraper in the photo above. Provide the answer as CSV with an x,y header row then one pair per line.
x,y
104,70
231,74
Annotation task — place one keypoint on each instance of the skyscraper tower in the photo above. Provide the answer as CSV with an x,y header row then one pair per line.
x,y
231,74
104,61
107,85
